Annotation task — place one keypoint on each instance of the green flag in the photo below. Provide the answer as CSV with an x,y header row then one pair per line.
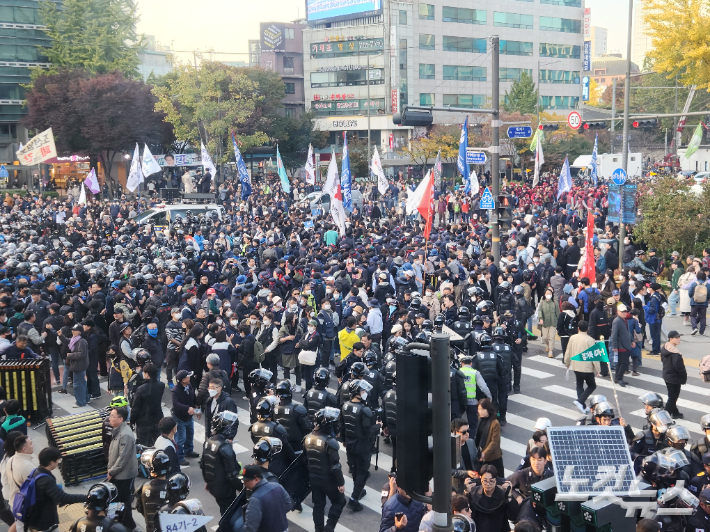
x,y
694,142
596,353
285,185
533,142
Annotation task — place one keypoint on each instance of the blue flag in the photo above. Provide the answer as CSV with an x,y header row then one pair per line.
x,y
346,181
565,182
242,169
462,164
593,164
285,184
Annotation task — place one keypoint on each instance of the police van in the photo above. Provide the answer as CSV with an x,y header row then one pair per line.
x,y
162,217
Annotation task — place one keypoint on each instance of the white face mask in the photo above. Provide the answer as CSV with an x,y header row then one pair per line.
x,y
252,321
328,291
548,296
211,268
428,293
293,308
307,292
531,267
363,396
326,306
212,393
267,322
632,283
233,323
262,310
218,322
311,330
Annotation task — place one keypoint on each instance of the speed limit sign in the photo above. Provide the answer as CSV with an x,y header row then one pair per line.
x,y
574,120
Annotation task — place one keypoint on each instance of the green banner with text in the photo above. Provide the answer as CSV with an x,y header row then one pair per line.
x,y
596,353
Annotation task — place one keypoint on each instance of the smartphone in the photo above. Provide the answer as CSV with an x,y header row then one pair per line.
x,y
399,515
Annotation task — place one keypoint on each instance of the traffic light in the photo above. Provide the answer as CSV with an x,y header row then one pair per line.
x,y
646,123
550,127
594,125
415,454
413,117
504,207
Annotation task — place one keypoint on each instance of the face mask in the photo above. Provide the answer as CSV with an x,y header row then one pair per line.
x,y
311,330
632,283
262,310
326,306
212,393
233,323
536,261
328,291
218,321
252,321
548,296
312,314
363,396
193,302
531,267
303,302
267,322
428,293
226,305
211,268
293,308
153,333
307,292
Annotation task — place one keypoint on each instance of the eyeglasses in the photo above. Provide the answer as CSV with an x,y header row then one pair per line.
x,y
464,431
488,480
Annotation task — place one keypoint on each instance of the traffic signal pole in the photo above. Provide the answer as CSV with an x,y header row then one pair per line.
x,y
441,432
494,149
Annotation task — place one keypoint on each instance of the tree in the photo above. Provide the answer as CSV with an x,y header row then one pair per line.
x,y
522,96
679,30
595,93
96,35
293,135
556,150
100,115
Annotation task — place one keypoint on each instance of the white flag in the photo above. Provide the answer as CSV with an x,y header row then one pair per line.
x,y
331,182
82,195
135,177
148,164
310,168
539,160
414,197
332,187
382,183
475,185
207,163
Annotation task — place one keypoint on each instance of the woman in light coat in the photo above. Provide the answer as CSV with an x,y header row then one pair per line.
x,y
684,306
548,312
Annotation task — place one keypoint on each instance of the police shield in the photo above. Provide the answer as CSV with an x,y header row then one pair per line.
x,y
296,479
233,518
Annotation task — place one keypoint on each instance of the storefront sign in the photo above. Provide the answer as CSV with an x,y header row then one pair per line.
x,y
345,124
395,100
351,105
326,97
338,68
329,49
273,38
587,22
587,62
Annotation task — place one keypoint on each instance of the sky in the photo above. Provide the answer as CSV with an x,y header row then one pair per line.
x,y
225,26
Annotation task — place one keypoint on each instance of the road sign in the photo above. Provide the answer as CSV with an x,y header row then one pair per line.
x,y
519,132
574,120
3,172
619,176
487,200
475,157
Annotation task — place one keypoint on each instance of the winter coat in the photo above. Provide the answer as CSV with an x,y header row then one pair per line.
x,y
548,312
578,343
674,370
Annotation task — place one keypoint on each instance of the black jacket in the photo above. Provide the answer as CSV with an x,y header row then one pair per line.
x,y
224,402
673,368
182,401
43,514
147,407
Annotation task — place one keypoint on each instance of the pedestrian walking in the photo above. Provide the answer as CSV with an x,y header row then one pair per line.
x,y
622,343
184,409
654,313
78,358
268,504
122,463
584,371
674,372
547,313
698,293
147,407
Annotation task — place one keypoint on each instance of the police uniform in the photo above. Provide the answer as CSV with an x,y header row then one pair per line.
x,y
389,370
516,331
150,497
97,524
377,380
522,481
490,365
458,392
323,460
358,429
389,418
256,394
271,429
700,447
506,355
699,521
293,418
645,444
318,398
698,483
220,470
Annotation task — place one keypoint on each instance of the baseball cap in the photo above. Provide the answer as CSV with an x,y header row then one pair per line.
x,y
183,373
705,496
622,308
615,293
124,326
706,459
211,291
251,472
673,334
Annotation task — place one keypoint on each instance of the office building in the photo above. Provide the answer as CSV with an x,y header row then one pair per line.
x,y
154,59
609,67
254,52
642,36
598,37
281,50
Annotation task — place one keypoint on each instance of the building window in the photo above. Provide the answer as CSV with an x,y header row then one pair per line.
x,y
464,73
559,76
288,112
463,15
290,33
464,100
403,88
516,48
559,102
402,17
464,44
426,71
290,88
603,80
563,25
563,51
513,74
426,98
426,12
565,3
288,62
426,41
344,78
512,20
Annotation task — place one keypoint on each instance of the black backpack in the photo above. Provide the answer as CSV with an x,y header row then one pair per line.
x,y
592,297
546,275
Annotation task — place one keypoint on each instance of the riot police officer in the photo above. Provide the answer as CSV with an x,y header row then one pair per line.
x,y
357,370
484,308
319,397
650,401
518,340
358,429
178,488
375,378
589,419
265,426
293,417
653,439
97,503
506,355
462,326
219,465
678,437
189,507
263,453
259,379
323,460
702,446
152,495
459,392
489,365
473,380
389,418
702,479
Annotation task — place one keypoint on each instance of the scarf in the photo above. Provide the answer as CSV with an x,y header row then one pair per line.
x,y
73,342
484,426
671,348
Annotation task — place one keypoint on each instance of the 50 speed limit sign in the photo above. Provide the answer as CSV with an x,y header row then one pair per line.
x,y
574,120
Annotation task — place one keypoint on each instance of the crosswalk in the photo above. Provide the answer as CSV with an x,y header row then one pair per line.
x,y
545,392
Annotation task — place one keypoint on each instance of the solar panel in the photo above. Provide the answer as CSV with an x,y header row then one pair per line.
x,y
590,460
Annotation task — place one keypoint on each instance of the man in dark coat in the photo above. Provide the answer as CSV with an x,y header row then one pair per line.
x,y
147,408
674,372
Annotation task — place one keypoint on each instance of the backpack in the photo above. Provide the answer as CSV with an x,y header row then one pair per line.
x,y
26,498
259,354
704,368
661,308
546,275
592,298
700,294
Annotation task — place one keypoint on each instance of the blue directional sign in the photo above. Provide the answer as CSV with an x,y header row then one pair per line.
x,y
487,200
3,172
519,132
475,157
619,176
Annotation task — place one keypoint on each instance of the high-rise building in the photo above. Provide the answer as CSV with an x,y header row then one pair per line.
x,y
154,58
598,37
254,52
642,36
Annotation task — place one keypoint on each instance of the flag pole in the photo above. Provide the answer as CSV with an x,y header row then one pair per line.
x,y
611,375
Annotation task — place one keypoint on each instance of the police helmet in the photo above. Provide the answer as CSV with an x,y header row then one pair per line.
x,y
370,359
483,340
100,496
595,399
499,333
223,421
604,409
265,449
505,286
518,289
660,420
657,465
677,433
415,305
358,370
678,497
677,457
478,320
439,321
159,464
178,487
461,523
428,325
652,399
260,376
283,389
464,314
264,409
118,402
705,422
357,386
321,376
325,417
188,507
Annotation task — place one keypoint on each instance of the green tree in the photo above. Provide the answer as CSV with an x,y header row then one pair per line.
x,y
556,150
96,35
522,96
293,135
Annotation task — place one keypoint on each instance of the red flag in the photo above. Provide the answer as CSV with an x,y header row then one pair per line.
x,y
426,205
589,268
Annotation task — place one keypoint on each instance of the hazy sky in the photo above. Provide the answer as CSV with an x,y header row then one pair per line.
x,y
225,26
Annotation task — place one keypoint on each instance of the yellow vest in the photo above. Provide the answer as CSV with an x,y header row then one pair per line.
x,y
347,339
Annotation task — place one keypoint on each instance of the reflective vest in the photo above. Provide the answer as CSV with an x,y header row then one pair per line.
x,y
470,381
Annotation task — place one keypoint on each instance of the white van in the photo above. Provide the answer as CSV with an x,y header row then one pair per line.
x,y
162,216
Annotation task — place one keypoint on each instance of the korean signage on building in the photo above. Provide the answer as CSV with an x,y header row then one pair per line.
x,y
326,97
273,38
585,88
349,105
587,61
330,49
587,22
395,101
